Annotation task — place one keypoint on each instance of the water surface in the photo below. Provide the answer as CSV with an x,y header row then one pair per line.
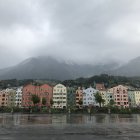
x,y
69,126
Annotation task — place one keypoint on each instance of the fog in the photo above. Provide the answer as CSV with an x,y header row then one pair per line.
x,y
82,31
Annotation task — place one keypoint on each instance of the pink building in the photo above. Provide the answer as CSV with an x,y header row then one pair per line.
x,y
120,96
43,91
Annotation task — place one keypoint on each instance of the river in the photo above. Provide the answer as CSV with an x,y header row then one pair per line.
x,y
69,127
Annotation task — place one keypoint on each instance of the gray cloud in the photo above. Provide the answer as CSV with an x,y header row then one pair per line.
x,y
88,31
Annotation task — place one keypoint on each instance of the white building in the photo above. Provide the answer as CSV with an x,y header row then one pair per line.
x,y
60,96
18,98
88,97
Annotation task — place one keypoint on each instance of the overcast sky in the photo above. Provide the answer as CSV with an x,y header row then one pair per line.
x,y
85,31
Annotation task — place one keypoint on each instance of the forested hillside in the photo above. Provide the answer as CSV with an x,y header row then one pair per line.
x,y
108,80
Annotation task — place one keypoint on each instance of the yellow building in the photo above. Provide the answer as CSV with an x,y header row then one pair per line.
x,y
134,98
131,98
107,95
11,97
60,96
137,98
103,93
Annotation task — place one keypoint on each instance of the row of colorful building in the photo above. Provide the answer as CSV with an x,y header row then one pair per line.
x,y
60,96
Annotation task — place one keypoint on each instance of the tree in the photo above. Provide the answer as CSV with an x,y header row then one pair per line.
x,y
103,102
111,102
51,102
35,99
98,98
44,101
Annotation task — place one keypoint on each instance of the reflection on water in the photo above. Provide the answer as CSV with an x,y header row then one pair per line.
x,y
63,119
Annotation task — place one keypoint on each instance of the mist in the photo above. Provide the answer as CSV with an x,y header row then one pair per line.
x,y
86,32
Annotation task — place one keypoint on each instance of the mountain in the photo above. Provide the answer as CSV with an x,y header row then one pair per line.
x,y
131,69
50,68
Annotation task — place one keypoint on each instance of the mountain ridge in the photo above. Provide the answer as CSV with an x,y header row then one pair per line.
x,y
130,69
51,68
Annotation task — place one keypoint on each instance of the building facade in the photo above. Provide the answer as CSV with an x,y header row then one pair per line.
x,y
134,98
11,97
59,96
103,93
42,91
89,97
137,97
79,97
4,98
18,99
100,87
121,96
71,97
109,96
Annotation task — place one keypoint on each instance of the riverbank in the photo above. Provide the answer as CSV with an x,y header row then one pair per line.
x,y
96,110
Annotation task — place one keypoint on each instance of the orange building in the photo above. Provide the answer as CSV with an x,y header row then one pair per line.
x,y
79,97
43,91
4,98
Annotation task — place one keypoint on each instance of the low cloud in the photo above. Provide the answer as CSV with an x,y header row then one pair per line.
x,y
81,31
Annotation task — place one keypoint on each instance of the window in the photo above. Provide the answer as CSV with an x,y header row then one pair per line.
x,y
90,98
77,94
